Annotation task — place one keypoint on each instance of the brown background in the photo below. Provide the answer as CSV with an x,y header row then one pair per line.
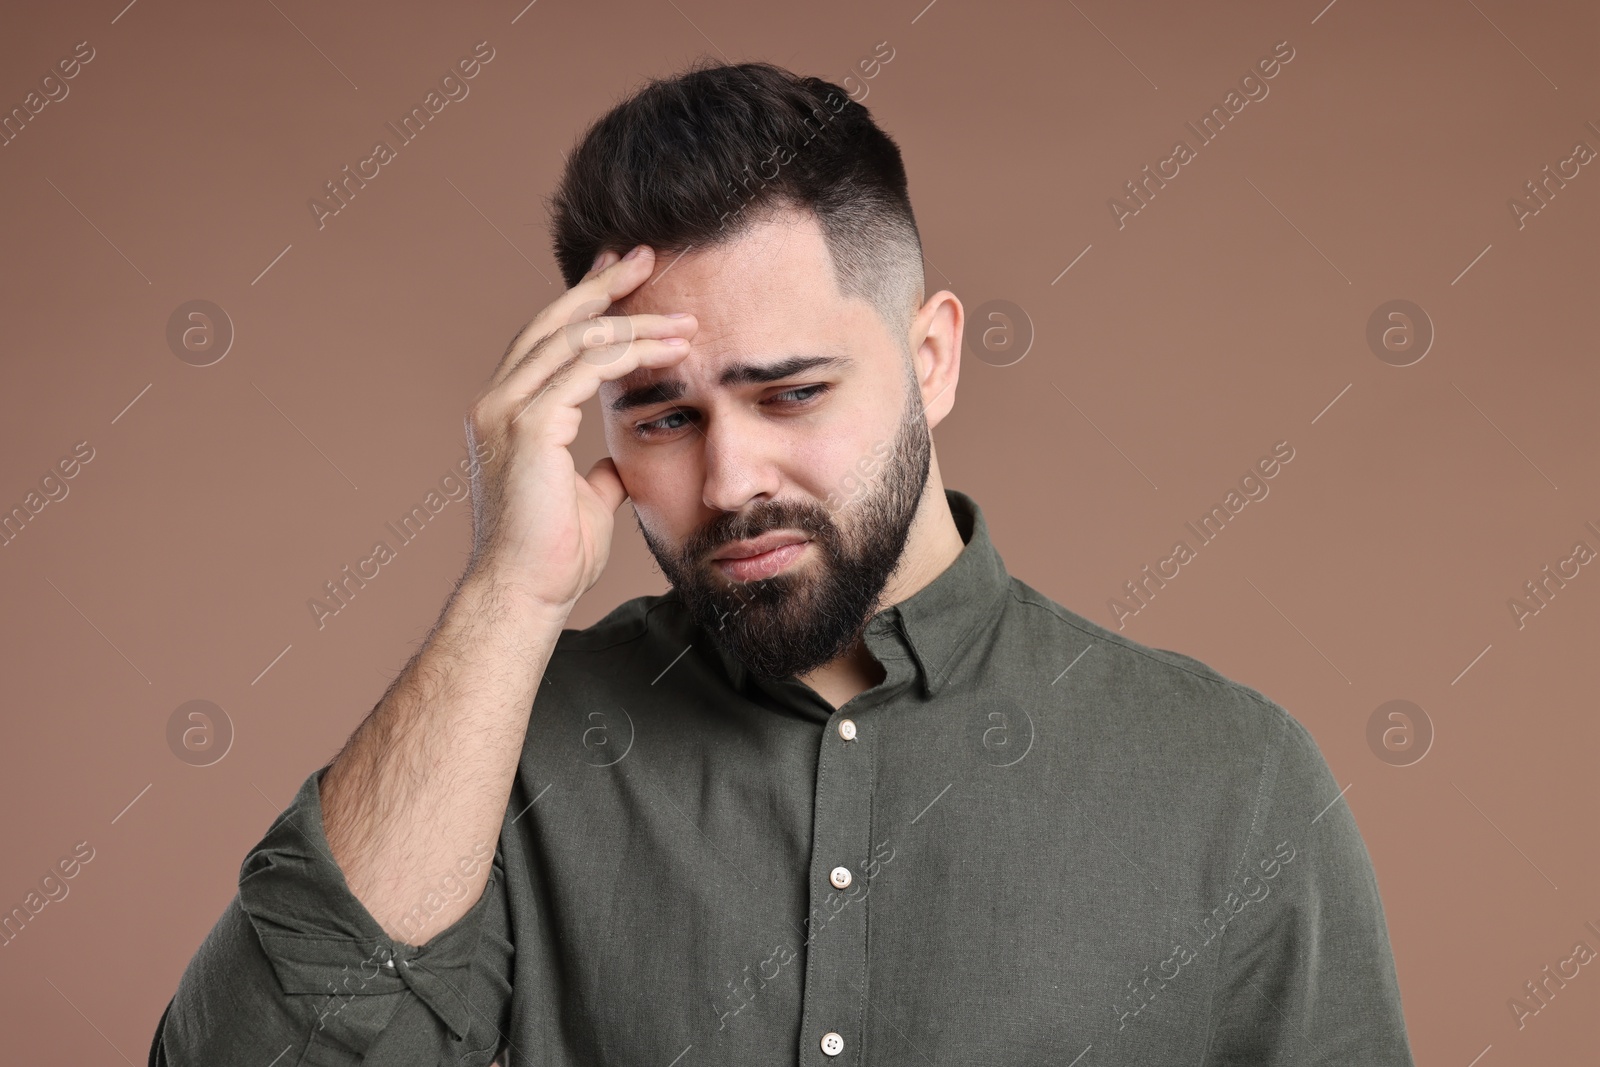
x,y
1228,315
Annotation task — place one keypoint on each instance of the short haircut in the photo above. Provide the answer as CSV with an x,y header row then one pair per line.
x,y
694,160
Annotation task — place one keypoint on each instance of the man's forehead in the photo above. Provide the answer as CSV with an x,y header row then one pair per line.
x,y
735,336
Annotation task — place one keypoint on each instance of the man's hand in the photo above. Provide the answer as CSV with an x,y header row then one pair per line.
x,y
538,527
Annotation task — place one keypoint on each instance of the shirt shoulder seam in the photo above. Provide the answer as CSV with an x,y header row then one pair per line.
x,y
1030,598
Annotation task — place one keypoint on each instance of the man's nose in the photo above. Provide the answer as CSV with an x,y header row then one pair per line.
x,y
739,466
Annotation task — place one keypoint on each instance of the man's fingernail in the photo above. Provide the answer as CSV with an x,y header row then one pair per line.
x,y
595,265
678,315
633,253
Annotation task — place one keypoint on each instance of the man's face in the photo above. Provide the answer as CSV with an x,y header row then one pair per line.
x,y
833,456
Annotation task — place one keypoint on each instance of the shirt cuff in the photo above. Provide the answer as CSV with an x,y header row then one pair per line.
x,y
322,941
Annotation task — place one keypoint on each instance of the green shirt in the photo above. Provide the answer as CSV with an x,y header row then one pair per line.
x,y
1035,841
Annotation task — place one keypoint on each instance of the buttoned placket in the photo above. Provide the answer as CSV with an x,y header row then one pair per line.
x,y
834,1011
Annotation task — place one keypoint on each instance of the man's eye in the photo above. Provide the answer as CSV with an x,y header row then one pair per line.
x,y
800,395
801,389
646,429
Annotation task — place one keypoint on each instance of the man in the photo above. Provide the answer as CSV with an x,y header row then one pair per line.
x,y
848,792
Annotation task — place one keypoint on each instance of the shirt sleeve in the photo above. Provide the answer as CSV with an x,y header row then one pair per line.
x,y
1307,974
297,968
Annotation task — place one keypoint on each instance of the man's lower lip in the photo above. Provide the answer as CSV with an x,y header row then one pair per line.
x,y
764,565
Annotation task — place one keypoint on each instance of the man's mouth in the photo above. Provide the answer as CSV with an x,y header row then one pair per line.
x,y
761,557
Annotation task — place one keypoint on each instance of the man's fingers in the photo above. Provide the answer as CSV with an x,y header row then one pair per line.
x,y
592,343
595,341
579,378
591,297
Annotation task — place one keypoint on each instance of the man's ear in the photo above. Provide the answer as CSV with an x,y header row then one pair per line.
x,y
936,352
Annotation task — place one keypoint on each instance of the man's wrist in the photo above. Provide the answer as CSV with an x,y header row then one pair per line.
x,y
486,591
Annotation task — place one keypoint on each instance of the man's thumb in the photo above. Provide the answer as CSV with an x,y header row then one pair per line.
x,y
605,481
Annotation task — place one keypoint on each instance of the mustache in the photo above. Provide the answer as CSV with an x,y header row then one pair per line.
x,y
769,515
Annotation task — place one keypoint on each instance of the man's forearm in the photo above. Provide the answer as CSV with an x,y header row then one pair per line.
x,y
424,780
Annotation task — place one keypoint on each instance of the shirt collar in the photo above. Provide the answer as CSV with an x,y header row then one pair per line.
x,y
936,622
943,617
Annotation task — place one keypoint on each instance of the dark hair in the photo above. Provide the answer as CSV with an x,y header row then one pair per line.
x,y
696,159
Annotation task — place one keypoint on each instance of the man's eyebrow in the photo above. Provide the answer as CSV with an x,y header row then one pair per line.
x,y
669,389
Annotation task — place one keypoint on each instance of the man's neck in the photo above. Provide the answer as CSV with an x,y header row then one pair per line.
x,y
932,544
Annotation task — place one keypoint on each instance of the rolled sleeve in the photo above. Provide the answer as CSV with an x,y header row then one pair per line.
x,y
297,963
1307,974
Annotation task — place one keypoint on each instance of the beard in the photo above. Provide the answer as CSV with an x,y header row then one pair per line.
x,y
794,622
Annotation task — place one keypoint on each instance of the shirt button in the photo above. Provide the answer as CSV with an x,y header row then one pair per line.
x,y
832,1043
840,877
847,729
